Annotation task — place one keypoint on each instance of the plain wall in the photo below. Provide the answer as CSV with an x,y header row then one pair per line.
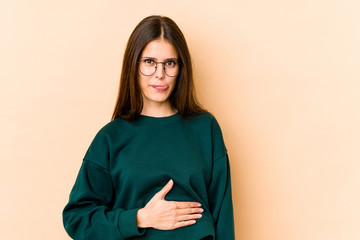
x,y
282,78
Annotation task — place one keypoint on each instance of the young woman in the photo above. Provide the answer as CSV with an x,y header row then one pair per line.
x,y
159,169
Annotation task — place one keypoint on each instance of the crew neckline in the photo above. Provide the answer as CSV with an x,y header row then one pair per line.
x,y
159,118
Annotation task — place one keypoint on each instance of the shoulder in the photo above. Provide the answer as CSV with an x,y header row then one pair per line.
x,y
205,117
104,140
206,125
114,125
113,130
206,120
212,127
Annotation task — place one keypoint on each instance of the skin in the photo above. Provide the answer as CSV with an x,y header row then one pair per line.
x,y
156,89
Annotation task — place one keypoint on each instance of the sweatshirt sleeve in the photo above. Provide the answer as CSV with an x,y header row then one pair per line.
x,y
220,197
89,214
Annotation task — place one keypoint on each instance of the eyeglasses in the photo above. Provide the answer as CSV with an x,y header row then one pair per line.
x,y
148,67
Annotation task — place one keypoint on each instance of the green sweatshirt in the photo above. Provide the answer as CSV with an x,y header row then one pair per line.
x,y
128,162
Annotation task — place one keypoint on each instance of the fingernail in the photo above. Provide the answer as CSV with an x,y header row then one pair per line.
x,y
201,210
199,204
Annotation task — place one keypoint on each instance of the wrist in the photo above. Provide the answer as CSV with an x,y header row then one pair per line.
x,y
142,218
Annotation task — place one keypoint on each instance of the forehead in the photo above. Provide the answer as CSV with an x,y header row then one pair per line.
x,y
159,49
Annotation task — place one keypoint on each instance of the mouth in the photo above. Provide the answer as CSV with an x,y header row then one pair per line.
x,y
160,88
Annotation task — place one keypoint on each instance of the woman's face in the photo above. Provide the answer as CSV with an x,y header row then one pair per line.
x,y
157,88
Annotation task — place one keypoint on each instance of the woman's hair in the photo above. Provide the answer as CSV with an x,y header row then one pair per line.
x,y
129,103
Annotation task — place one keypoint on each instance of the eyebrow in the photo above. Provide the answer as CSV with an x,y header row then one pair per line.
x,y
166,59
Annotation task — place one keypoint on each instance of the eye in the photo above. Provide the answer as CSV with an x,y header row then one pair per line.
x,y
170,63
148,61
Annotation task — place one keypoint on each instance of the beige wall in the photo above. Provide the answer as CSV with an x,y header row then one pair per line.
x,y
282,77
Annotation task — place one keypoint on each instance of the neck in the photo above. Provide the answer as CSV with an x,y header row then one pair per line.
x,y
155,110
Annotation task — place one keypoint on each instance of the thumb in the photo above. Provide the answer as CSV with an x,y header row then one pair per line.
x,y
162,193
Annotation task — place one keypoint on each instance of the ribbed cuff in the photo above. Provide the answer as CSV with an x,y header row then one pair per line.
x,y
127,224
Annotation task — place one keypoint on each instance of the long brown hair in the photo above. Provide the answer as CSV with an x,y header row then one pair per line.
x,y
129,102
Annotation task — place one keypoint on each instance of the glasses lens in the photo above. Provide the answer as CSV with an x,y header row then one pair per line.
x,y
172,71
147,68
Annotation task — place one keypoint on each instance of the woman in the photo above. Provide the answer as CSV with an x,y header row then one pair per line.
x,y
159,169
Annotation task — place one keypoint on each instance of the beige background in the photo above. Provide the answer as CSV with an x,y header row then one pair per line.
x,y
282,78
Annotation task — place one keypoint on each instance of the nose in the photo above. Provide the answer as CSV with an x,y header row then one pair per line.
x,y
160,70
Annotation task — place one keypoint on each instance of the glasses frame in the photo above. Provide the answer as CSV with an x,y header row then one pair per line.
x,y
156,64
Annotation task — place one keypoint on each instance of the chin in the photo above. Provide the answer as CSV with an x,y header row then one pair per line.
x,y
157,97
160,100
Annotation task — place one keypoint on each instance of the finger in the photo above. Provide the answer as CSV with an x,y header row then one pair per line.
x,y
162,193
184,223
181,205
188,217
187,211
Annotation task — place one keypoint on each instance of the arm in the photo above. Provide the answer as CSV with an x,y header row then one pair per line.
x,y
88,214
220,199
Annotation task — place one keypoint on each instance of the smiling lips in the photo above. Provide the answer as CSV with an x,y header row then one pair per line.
x,y
160,88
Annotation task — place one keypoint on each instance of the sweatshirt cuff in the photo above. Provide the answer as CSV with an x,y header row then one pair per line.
x,y
127,224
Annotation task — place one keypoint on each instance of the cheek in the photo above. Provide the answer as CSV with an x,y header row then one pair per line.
x,y
142,82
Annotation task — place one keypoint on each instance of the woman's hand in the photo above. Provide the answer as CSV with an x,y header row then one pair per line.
x,y
167,215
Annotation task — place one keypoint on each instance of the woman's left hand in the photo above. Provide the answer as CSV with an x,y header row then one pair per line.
x,y
167,215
